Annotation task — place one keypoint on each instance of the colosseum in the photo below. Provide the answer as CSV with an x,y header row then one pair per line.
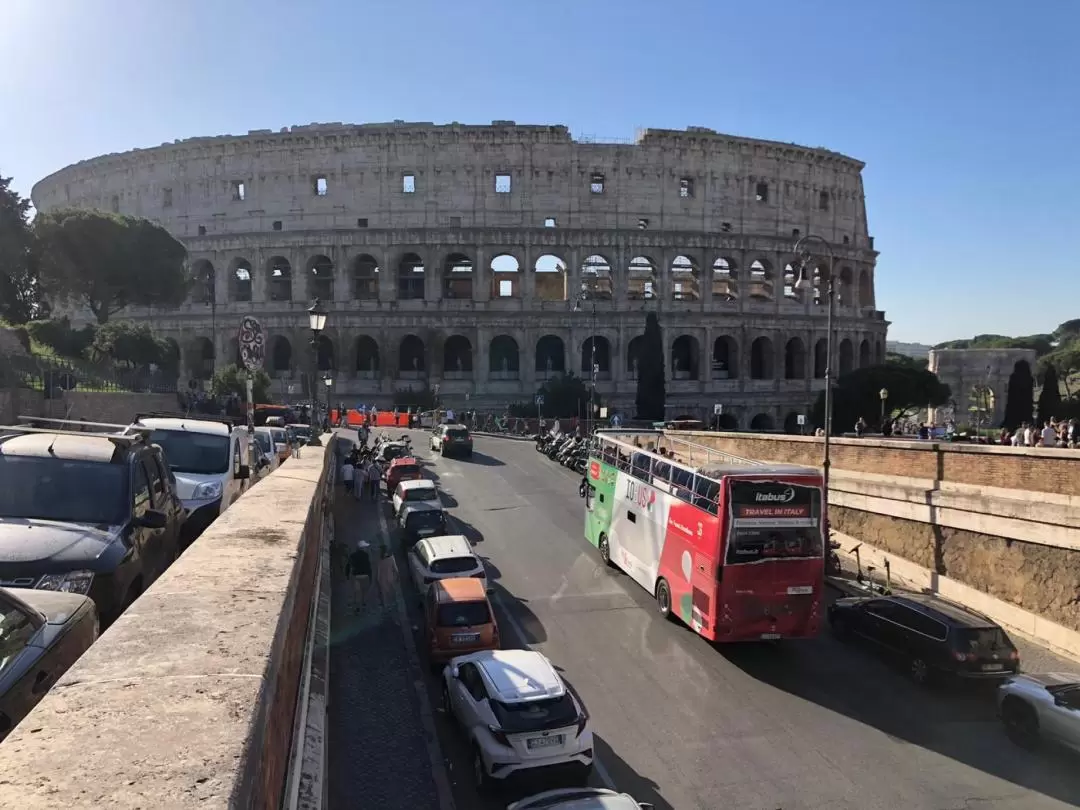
x,y
486,259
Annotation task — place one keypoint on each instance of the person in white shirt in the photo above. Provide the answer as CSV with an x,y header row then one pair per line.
x,y
1049,435
1029,438
347,473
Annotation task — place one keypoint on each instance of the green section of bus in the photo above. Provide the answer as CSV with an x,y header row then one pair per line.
x,y
598,516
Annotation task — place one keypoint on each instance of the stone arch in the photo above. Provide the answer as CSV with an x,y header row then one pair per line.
x,y
685,358
847,357
550,356
201,358
791,275
821,358
324,353
725,358
280,356
845,287
866,289
320,274
596,278
761,421
725,279
172,355
410,278
241,276
279,279
685,284
233,352
727,421
550,278
203,280
367,358
457,357
505,277
602,357
791,423
879,352
365,278
761,359
794,359
633,355
504,358
458,273
820,278
760,280
641,279
412,358
865,357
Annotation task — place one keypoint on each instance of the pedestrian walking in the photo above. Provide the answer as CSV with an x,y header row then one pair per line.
x,y
387,574
374,475
295,443
358,573
348,473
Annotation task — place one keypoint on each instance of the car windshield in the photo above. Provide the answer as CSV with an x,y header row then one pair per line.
x,y
535,715
64,490
302,430
392,451
752,544
407,471
196,453
421,494
463,614
453,565
425,518
982,640
280,436
264,442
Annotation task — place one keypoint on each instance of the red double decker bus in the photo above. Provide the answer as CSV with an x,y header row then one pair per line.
x,y
731,546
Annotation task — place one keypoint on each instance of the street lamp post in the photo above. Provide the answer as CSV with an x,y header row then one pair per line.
x,y
582,298
884,394
803,284
317,322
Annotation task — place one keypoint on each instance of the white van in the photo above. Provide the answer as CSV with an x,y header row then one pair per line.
x,y
209,457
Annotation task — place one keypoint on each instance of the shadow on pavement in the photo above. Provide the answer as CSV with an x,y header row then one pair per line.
x,y
472,534
626,778
483,460
523,621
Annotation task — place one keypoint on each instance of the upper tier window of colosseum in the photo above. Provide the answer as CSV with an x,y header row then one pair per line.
x,y
761,191
643,224
408,183
795,232
276,225
549,222
686,187
361,222
502,184
202,230
239,190
847,240
455,222
596,183
823,201
166,198
320,186
725,227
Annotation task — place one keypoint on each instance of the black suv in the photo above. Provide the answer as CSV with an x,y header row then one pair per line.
x,y
92,513
931,635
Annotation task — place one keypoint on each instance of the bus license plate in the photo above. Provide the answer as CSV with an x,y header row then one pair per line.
x,y
799,590
993,667
544,742
770,636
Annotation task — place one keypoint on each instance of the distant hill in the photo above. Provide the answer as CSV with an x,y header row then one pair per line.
x,y
915,350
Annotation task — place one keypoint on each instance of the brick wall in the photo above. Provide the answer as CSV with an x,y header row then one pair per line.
x,y
1033,469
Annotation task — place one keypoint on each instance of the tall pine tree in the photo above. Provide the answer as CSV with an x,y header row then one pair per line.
x,y
1050,396
1020,396
651,393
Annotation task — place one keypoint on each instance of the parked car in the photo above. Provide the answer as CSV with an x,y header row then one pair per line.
x,y
1034,708
442,557
266,450
931,635
95,514
518,715
301,431
449,440
387,452
583,798
406,468
415,490
459,618
421,520
281,443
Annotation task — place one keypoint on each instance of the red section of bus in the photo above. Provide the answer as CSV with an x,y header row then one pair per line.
x,y
382,419
689,563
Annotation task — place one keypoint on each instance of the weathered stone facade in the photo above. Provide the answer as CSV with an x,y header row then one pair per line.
x,y
456,255
964,369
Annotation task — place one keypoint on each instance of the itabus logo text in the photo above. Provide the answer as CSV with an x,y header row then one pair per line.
x,y
784,496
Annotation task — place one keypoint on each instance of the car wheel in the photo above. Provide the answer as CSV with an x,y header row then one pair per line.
x,y
1021,723
480,774
663,598
919,670
605,549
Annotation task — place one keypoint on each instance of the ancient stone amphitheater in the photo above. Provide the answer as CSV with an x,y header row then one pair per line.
x,y
485,259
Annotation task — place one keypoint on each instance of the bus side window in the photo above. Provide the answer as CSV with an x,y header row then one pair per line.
x,y
640,466
683,481
706,492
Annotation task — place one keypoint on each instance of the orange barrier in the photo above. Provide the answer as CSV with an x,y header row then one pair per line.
x,y
354,418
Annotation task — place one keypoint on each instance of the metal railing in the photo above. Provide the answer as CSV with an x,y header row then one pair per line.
x,y
53,375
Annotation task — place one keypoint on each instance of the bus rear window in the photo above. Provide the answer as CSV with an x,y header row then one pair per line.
x,y
753,544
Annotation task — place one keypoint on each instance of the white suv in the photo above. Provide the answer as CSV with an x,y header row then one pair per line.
x,y
518,714
442,557
416,491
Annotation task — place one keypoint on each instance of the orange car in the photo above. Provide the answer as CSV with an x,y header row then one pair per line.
x,y
406,468
459,619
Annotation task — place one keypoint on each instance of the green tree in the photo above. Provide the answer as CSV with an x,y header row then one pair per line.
x,y
1019,396
1050,396
58,334
233,380
566,397
20,291
130,343
651,391
106,262
858,394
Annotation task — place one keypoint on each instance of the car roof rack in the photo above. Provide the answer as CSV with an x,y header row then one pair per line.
x,y
118,436
229,421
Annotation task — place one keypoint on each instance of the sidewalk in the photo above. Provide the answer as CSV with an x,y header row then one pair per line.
x,y
379,751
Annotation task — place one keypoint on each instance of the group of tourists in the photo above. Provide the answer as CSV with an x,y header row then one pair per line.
x,y
1053,433
362,473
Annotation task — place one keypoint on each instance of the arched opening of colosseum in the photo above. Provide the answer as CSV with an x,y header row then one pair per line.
x,y
550,357
761,359
504,359
791,275
457,277
202,282
457,358
550,278
684,279
280,279
794,360
412,363
320,278
761,422
879,353
864,354
641,279
633,356
324,353
410,278
367,358
280,356
685,358
240,280
725,282
234,352
760,280
847,357
365,278
598,363
505,277
820,278
172,355
727,421
596,278
846,289
821,358
791,423
201,359
725,353
866,292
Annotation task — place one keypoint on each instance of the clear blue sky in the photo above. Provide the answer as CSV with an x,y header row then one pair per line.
x,y
967,112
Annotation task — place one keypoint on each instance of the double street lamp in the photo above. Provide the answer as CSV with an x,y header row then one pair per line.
x,y
317,322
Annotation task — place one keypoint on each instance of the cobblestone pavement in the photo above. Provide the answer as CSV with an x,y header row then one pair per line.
x,y
379,755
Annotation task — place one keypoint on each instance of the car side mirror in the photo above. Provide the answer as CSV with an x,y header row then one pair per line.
x,y
153,519
243,472
455,672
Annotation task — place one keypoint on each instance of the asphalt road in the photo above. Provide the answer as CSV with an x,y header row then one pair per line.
x,y
683,724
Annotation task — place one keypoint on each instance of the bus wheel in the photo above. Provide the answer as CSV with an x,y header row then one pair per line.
x,y
663,598
605,550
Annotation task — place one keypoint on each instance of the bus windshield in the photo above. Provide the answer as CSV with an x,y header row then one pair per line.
x,y
753,543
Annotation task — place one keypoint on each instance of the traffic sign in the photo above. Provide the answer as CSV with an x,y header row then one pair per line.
x,y
717,409
539,399
801,419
